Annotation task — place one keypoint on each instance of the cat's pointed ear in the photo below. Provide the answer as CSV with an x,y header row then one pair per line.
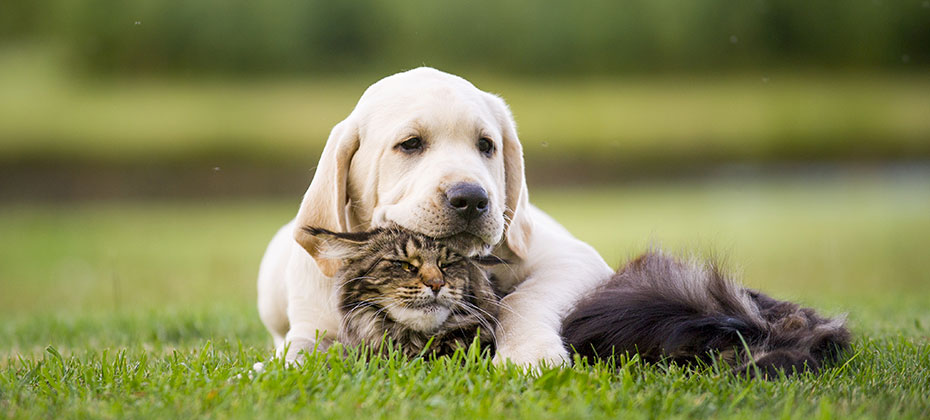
x,y
488,260
338,246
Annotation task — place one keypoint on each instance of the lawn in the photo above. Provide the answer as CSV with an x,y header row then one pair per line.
x,y
146,309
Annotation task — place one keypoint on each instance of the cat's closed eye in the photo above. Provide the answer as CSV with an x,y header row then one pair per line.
x,y
405,265
449,261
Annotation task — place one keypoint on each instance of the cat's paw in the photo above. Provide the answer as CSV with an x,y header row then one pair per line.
x,y
532,354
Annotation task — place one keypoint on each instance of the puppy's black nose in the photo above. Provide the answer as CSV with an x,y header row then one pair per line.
x,y
470,201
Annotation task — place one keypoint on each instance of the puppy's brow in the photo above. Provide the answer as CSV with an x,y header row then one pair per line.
x,y
415,128
484,131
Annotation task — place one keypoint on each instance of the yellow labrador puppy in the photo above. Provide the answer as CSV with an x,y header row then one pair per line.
x,y
430,152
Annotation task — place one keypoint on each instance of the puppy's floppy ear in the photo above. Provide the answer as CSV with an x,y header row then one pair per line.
x,y
520,226
324,204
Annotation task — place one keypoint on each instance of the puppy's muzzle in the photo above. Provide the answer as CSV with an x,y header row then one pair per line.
x,y
469,201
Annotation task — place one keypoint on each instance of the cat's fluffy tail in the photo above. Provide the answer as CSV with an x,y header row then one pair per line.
x,y
664,308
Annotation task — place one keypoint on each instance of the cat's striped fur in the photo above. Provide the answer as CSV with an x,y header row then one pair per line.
x,y
408,288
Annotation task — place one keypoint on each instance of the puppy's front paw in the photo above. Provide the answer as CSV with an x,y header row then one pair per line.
x,y
294,349
533,353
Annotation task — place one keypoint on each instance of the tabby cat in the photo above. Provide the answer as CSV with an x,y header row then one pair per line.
x,y
410,289
666,308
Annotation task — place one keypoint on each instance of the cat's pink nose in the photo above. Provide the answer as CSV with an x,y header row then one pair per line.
x,y
434,283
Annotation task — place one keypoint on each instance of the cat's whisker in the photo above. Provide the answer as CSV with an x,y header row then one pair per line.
x,y
363,304
481,322
484,323
500,304
481,313
476,310
358,278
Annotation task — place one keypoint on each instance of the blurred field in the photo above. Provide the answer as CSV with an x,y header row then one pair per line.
x,y
46,115
840,242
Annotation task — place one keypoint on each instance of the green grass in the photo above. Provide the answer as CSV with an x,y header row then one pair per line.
x,y
216,380
45,113
149,310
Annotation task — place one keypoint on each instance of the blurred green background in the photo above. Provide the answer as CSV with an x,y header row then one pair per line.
x,y
150,148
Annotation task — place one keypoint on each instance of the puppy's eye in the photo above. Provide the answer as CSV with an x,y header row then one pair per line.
x,y
485,145
412,144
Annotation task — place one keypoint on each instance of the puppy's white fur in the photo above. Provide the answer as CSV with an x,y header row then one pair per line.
x,y
365,180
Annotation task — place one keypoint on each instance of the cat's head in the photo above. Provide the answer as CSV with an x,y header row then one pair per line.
x,y
417,281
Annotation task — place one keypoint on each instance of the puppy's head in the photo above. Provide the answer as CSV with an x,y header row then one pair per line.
x,y
430,152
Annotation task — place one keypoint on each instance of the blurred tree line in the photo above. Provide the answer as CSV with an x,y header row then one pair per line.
x,y
516,36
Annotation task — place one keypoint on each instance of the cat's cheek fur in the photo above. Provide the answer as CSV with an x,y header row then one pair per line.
x,y
447,297
420,320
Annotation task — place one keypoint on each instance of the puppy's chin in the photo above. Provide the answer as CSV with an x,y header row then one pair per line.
x,y
468,244
464,238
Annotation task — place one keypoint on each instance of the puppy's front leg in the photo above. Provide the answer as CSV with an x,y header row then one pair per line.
x,y
311,309
560,271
